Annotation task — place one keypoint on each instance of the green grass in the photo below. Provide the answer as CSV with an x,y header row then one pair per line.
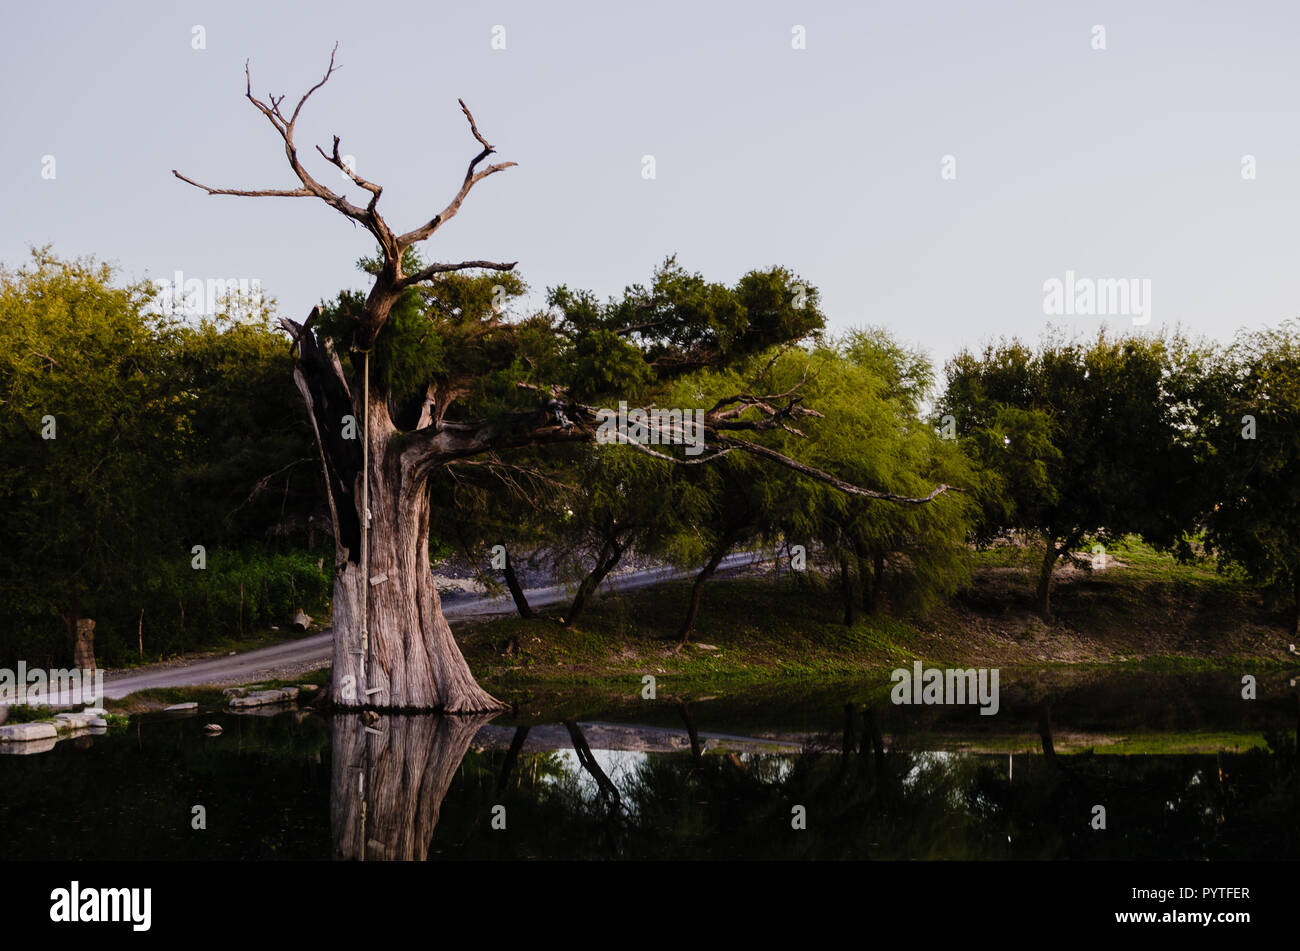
x,y
767,630
1137,744
781,633
204,696
762,631
1175,664
24,713
1141,563
1145,563
1172,743
166,696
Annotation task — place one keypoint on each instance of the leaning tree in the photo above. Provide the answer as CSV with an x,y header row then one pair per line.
x,y
379,443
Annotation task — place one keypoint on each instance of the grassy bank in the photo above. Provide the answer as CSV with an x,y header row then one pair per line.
x,y
207,697
767,636
772,658
1144,611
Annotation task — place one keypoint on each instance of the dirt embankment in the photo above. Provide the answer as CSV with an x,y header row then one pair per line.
x,y
1105,619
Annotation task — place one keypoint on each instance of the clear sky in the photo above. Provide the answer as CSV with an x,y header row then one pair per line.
x,y
1117,163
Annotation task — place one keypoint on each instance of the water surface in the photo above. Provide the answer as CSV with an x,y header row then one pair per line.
x,y
1183,766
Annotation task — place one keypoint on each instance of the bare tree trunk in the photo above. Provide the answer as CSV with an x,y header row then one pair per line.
x,y
1050,557
517,590
81,630
1296,589
413,661
610,553
847,593
865,577
1043,596
83,656
697,589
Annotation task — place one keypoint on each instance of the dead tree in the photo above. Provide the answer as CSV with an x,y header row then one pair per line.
x,y
393,648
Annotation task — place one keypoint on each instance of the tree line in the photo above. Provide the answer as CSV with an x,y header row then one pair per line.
x,y
158,475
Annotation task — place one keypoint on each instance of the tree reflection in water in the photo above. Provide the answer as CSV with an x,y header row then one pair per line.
x,y
389,779
862,800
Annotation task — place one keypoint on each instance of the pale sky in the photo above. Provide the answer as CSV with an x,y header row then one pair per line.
x,y
1117,163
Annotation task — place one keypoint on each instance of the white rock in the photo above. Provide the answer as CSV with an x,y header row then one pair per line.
x,y
261,698
26,732
180,707
28,749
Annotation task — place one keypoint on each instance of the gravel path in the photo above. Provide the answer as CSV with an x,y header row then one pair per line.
x,y
293,658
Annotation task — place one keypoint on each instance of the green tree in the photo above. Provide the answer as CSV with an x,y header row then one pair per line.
x,y
1082,439
1250,431
869,390
249,471
623,502
128,437
91,429
495,513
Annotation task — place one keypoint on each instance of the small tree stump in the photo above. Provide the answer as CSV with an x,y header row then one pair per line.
x,y
83,649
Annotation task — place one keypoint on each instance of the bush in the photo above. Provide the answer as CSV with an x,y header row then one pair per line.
x,y
239,593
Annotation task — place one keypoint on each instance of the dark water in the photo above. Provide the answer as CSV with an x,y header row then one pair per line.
x,y
1208,776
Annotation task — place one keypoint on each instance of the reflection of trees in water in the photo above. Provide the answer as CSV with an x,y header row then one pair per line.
x,y
863,801
1265,814
608,790
389,781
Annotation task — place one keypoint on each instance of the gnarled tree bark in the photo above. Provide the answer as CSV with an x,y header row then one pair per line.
x,y
393,648
405,657
389,780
